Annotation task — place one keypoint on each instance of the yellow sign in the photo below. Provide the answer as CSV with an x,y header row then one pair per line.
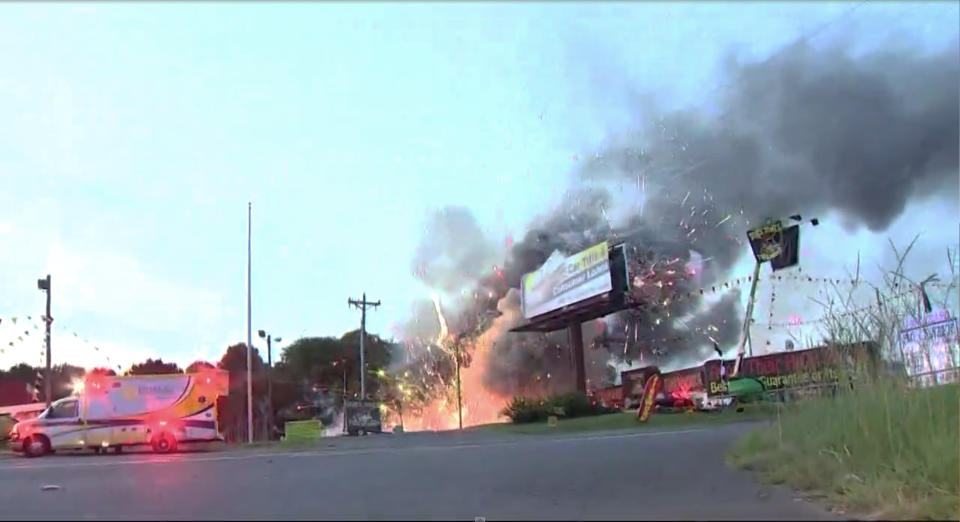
x,y
563,281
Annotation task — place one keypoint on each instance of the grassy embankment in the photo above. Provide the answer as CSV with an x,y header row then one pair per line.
x,y
628,420
881,451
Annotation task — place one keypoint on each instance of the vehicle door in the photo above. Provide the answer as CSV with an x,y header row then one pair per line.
x,y
63,426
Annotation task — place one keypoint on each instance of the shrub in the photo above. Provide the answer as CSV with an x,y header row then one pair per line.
x,y
568,405
573,405
521,410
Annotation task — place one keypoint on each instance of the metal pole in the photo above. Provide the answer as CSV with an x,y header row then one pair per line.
x,y
270,382
363,333
459,396
576,341
249,331
48,378
745,333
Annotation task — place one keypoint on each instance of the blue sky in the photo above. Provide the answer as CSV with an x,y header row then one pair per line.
x,y
134,134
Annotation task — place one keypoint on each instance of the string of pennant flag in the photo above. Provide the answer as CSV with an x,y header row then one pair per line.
x,y
773,279
21,338
883,301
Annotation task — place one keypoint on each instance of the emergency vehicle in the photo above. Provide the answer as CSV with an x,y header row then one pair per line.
x,y
157,411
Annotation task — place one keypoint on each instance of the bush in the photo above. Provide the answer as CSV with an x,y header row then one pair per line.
x,y
573,405
567,405
522,410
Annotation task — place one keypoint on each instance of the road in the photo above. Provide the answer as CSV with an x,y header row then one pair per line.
x,y
676,474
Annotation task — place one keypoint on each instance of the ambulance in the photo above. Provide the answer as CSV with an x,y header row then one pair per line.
x,y
110,412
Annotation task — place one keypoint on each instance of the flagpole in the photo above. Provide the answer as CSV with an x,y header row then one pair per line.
x,y
249,332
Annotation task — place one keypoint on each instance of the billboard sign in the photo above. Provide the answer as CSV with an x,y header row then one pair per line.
x,y
776,371
564,281
789,249
766,241
930,348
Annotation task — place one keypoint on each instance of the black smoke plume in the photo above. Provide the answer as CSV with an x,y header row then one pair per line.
x,y
809,131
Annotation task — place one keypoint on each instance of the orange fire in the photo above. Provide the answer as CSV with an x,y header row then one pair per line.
x,y
480,406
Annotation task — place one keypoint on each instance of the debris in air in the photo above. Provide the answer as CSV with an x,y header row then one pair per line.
x,y
50,487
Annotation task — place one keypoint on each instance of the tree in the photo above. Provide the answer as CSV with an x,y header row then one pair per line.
x,y
322,360
232,410
197,366
154,367
23,372
235,359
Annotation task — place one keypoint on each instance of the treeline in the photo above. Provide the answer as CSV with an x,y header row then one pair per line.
x,y
305,365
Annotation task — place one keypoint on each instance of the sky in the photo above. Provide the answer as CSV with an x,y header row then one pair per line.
x,y
134,134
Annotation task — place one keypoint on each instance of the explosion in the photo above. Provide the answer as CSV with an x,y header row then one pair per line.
x,y
808,131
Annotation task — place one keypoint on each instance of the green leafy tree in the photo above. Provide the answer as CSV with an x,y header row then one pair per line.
x,y
325,361
154,367
22,372
232,408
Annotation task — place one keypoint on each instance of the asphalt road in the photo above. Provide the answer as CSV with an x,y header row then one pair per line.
x,y
616,475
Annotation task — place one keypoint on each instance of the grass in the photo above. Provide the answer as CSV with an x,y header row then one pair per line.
x,y
882,451
628,420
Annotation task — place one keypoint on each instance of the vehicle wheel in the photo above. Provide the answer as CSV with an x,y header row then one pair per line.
x,y
36,446
96,451
117,450
164,443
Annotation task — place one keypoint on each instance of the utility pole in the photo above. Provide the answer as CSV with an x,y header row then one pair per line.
x,y
44,285
362,305
249,331
269,374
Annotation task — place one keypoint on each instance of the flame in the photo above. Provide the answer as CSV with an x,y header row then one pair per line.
x,y
443,321
477,404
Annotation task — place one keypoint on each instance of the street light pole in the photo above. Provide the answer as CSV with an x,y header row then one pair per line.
x,y
249,331
44,285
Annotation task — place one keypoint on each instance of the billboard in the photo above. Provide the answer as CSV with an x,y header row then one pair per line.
x,y
785,370
929,348
789,249
766,241
563,281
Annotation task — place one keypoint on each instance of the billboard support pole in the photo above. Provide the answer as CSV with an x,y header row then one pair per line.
x,y
576,341
748,318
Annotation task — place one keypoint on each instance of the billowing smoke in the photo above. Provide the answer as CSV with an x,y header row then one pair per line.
x,y
808,131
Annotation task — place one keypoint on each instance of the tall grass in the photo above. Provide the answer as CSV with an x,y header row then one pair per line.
x,y
881,450
884,449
